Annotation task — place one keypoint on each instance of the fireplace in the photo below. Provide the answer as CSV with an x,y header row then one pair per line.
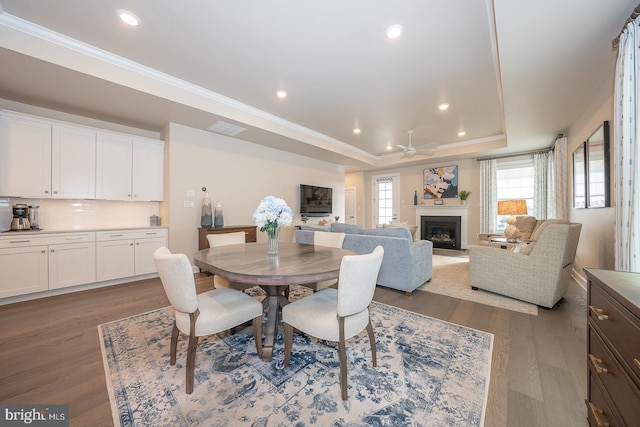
x,y
443,231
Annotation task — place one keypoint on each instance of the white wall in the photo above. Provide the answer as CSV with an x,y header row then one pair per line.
x,y
596,246
238,174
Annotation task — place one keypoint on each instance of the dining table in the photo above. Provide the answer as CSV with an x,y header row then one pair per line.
x,y
294,264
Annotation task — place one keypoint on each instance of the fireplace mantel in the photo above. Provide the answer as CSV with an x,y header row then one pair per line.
x,y
446,210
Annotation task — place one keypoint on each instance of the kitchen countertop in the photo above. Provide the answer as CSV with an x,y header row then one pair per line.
x,y
74,230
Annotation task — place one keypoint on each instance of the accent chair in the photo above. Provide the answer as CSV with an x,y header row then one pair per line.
x,y
538,273
337,314
202,314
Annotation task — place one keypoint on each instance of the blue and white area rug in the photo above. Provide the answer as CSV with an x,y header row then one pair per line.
x,y
430,373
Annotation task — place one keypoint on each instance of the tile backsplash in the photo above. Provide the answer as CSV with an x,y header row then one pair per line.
x,y
65,214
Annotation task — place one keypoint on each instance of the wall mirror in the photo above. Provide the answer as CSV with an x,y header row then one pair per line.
x,y
580,177
597,152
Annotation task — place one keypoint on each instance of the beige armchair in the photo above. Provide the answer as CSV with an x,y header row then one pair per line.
x,y
540,275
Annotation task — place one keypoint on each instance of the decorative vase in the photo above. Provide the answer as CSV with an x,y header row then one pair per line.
x,y
273,240
206,218
218,220
415,198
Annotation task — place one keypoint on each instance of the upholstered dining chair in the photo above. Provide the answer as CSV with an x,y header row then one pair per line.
x,y
329,239
223,239
338,314
202,314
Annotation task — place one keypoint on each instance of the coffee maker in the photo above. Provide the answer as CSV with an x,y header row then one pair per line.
x,y
20,220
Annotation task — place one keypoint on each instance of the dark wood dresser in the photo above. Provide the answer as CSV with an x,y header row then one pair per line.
x,y
613,356
249,230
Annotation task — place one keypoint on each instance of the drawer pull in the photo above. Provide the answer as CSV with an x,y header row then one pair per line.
x,y
597,364
19,241
637,362
596,415
73,238
598,312
116,235
151,233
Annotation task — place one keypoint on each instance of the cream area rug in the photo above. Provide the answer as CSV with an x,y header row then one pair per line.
x,y
451,278
430,373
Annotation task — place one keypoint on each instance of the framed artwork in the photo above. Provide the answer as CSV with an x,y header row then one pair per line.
x,y
580,177
441,182
597,155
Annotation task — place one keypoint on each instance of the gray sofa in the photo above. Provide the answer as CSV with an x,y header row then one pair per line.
x,y
406,264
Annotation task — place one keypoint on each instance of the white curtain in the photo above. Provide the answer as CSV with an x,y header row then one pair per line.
x,y
543,190
560,179
627,156
488,196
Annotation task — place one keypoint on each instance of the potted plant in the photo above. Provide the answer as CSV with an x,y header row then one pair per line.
x,y
464,195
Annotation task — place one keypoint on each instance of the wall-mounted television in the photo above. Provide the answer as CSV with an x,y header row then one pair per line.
x,y
315,200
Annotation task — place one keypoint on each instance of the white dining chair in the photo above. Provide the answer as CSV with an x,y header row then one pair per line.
x,y
327,239
224,239
202,314
337,314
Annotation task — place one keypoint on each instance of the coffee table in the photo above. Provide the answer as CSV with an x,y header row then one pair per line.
x,y
295,264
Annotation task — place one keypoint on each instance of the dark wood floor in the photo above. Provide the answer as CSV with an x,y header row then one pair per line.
x,y
50,353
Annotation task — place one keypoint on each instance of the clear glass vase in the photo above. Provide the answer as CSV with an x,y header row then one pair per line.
x,y
273,240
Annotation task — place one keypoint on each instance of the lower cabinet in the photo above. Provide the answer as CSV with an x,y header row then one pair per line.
x,y
126,253
24,270
38,262
71,264
35,262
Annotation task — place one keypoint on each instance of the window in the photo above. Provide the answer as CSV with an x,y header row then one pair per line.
x,y
515,180
385,199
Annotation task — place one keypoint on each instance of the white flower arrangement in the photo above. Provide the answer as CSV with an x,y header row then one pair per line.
x,y
272,212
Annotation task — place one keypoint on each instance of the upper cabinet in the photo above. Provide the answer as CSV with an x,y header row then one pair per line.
x,y
25,157
129,168
41,158
73,162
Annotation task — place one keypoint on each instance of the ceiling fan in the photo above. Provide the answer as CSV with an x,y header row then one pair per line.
x,y
410,150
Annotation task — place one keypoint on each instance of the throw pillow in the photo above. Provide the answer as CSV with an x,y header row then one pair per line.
x,y
527,248
525,225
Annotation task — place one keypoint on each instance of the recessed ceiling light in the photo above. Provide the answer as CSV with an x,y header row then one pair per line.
x,y
462,133
128,18
443,106
393,31
357,131
281,94
389,147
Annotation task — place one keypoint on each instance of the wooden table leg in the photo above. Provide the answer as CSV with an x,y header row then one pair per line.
x,y
273,319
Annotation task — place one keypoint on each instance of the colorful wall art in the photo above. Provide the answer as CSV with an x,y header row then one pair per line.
x,y
441,182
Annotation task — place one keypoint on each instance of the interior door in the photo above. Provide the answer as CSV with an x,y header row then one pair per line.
x,y
350,206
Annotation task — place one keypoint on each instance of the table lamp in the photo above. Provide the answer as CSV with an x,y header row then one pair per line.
x,y
511,208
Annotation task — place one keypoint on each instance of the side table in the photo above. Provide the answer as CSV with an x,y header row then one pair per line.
x,y
504,243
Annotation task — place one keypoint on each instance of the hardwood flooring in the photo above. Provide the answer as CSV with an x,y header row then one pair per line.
x,y
50,353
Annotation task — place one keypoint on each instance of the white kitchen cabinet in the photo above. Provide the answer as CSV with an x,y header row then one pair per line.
x,y
145,247
32,262
129,168
25,157
115,259
72,264
73,162
24,270
44,159
127,253
148,170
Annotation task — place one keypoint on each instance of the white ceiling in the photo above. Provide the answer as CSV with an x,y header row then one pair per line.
x,y
515,72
